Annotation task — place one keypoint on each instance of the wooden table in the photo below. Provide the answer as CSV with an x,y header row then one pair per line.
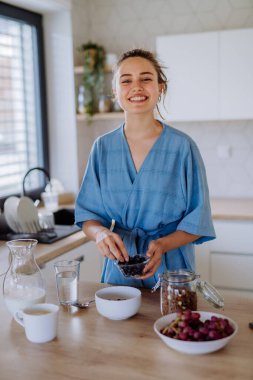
x,y
92,347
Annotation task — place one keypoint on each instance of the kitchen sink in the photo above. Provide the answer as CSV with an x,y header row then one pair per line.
x,y
65,216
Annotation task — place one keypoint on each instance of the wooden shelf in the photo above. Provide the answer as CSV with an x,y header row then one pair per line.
x,y
98,116
79,70
101,116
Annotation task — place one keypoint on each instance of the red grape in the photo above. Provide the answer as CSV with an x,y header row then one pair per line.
x,y
188,326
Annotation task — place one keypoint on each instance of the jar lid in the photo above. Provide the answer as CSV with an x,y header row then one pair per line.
x,y
210,294
175,277
178,276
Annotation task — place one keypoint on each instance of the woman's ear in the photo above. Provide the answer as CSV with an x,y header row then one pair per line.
x,y
161,88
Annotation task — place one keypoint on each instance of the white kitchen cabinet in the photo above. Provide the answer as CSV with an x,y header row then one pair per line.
x,y
236,74
202,256
90,263
192,72
210,75
227,261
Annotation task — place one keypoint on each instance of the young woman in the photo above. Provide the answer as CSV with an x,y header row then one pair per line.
x,y
147,177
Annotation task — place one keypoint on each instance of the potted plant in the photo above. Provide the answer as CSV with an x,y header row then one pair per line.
x,y
93,77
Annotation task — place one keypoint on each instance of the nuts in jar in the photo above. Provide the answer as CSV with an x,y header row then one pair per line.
x,y
175,299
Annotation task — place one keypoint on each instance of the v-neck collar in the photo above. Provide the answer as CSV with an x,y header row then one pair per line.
x,y
134,172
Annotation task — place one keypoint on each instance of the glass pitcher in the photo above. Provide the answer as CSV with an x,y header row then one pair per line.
x,y
23,284
178,291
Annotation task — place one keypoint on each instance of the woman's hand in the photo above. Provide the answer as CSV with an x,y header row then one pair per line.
x,y
155,251
111,245
165,244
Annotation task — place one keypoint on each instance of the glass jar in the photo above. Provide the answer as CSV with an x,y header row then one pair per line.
x,y
23,284
178,291
81,100
104,104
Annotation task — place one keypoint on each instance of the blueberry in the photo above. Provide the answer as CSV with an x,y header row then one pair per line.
x,y
134,267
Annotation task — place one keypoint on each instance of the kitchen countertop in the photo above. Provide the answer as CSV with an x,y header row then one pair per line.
x,y
232,209
46,252
90,346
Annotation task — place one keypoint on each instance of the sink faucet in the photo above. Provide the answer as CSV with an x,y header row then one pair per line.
x,y
46,173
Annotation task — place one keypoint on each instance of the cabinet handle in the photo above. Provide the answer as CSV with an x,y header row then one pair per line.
x,y
80,258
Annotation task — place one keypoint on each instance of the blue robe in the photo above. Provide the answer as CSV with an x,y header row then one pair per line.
x,y
167,194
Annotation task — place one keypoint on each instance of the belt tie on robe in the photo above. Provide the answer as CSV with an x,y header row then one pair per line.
x,y
137,240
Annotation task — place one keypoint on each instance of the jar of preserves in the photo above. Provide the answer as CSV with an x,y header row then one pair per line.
x,y
178,291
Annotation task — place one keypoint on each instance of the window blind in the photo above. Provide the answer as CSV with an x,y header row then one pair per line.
x,y
20,118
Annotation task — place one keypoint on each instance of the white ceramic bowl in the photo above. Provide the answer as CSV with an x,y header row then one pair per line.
x,y
118,302
193,348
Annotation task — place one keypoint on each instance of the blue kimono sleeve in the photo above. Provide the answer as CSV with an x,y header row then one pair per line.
x,y
89,203
197,218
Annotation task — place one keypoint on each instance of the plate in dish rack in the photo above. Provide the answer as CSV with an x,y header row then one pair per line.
x,y
10,213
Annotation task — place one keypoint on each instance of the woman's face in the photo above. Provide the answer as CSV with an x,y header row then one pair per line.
x,y
136,85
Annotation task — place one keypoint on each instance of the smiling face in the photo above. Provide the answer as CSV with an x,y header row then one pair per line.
x,y
136,85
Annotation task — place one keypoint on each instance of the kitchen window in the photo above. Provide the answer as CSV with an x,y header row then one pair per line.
x,y
23,121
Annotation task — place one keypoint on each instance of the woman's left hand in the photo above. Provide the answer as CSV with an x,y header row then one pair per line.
x,y
155,251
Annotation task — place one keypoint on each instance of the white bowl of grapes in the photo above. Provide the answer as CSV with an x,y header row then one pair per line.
x,y
195,332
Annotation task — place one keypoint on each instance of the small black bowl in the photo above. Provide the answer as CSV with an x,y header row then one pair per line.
x,y
134,267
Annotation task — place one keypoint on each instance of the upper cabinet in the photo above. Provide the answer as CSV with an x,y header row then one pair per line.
x,y
210,75
192,71
236,74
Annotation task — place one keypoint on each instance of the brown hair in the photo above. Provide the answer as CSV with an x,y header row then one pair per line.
x,y
149,56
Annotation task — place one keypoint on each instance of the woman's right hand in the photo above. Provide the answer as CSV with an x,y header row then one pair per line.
x,y
111,245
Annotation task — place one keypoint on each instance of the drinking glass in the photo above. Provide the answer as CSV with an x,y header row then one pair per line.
x,y
67,278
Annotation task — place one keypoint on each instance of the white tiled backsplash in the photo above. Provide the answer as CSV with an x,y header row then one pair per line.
x,y
227,150
226,147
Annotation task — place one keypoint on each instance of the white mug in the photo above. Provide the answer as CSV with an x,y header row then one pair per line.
x,y
39,322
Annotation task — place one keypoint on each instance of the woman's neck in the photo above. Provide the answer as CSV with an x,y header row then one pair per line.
x,y
139,126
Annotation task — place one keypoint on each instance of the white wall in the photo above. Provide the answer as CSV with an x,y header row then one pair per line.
x,y
122,24
61,98
81,24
